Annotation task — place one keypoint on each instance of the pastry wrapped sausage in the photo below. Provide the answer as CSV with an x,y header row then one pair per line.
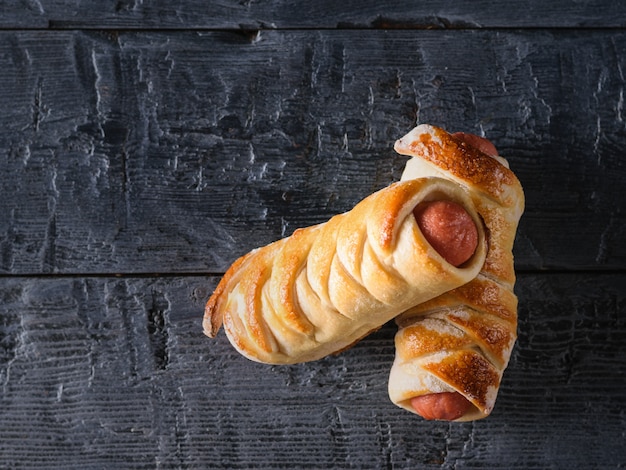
x,y
323,288
451,351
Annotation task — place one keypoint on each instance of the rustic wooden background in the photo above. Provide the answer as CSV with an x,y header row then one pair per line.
x,y
146,145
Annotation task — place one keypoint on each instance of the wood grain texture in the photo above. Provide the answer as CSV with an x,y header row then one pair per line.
x,y
104,372
250,14
146,145
179,151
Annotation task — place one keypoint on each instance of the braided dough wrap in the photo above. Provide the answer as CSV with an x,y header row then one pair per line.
x,y
323,288
461,341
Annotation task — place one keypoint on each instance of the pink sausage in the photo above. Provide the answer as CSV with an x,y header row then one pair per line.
x,y
449,229
446,406
482,144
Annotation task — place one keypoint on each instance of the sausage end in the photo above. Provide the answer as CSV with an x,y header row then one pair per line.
x,y
445,406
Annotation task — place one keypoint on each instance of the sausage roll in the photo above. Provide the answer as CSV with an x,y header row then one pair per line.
x,y
451,351
323,288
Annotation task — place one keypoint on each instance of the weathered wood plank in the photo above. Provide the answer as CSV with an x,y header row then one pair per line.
x,y
104,372
177,152
194,14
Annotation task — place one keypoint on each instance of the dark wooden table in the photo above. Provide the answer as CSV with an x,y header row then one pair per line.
x,y
146,145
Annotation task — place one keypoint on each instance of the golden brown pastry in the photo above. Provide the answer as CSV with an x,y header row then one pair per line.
x,y
451,351
323,288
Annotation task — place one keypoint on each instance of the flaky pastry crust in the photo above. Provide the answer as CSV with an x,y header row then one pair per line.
x,y
323,288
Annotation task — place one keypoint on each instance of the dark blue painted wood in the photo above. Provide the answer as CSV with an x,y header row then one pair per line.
x,y
103,372
146,145
178,151
281,14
